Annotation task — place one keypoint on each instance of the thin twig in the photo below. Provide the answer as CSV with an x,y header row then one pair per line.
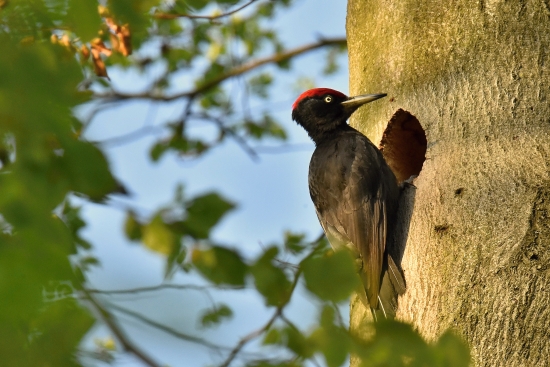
x,y
167,329
111,323
238,139
207,17
338,315
180,127
248,338
239,70
131,136
133,291
257,333
99,107
187,109
161,287
288,322
318,239
287,264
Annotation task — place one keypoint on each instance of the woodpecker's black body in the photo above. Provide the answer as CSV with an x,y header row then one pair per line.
x,y
354,191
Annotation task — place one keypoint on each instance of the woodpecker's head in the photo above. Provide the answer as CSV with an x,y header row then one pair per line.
x,y
322,110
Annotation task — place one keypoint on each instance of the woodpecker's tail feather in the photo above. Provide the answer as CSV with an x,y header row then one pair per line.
x,y
392,285
387,300
396,278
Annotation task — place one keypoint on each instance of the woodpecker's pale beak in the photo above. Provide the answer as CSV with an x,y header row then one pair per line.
x,y
353,103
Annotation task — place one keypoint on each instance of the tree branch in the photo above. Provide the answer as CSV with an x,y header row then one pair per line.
x,y
207,17
111,323
248,338
236,137
167,329
161,287
236,71
257,333
130,137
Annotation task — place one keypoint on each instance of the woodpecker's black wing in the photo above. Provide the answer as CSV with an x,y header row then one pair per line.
x,y
355,195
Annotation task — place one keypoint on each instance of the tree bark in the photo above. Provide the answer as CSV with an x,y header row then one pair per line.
x,y
476,75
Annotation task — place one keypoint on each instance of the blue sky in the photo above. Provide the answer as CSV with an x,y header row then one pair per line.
x,y
272,197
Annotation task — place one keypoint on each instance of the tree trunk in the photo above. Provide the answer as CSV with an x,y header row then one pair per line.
x,y
476,75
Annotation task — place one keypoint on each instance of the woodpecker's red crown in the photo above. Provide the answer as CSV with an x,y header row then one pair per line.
x,y
317,92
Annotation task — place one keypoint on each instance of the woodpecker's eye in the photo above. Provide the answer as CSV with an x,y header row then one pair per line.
x,y
328,99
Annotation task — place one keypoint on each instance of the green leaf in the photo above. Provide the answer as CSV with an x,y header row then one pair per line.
x,y
87,169
158,236
450,350
59,329
38,93
393,343
215,70
134,12
220,265
83,18
179,57
270,280
284,64
189,147
71,217
266,127
331,277
298,343
259,84
396,343
214,97
132,227
273,336
87,262
266,9
158,150
294,243
214,316
204,212
333,341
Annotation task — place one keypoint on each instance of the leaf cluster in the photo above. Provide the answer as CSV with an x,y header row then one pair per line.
x,y
43,162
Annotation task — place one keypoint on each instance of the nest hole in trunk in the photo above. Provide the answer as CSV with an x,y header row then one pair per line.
x,y
404,145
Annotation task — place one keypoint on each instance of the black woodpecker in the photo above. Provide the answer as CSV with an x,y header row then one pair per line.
x,y
354,191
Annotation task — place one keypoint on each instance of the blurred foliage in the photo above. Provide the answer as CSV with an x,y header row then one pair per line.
x,y
57,55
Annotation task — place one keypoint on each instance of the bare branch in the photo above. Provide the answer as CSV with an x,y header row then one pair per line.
x,y
238,139
101,106
257,333
207,17
130,137
161,287
166,329
289,323
111,323
236,71
339,317
248,338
